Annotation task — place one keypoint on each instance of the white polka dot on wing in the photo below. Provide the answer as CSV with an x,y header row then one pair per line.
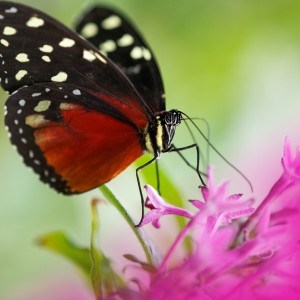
x,y
22,102
11,10
108,46
35,22
89,30
46,58
60,77
46,48
76,92
88,55
111,22
20,74
42,106
136,53
4,43
31,154
66,43
22,57
126,40
9,30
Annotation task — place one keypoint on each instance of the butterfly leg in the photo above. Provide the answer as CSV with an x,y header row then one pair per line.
x,y
139,184
157,177
197,169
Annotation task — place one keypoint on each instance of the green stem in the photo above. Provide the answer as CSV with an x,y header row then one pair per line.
x,y
150,249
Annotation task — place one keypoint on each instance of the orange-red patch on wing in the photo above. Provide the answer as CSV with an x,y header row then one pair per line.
x,y
88,148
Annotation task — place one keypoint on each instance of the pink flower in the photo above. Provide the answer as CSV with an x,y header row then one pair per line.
x,y
233,257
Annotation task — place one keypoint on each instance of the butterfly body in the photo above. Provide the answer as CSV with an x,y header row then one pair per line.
x,y
77,115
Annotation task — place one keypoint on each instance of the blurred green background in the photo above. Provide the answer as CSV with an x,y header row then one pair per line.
x,y
235,63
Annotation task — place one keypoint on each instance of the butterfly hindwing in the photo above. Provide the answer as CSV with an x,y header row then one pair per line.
x,y
110,32
73,148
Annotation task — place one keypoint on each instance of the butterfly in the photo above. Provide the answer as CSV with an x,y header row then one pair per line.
x,y
82,106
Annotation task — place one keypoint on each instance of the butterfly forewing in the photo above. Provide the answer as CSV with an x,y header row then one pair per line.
x,y
36,48
122,43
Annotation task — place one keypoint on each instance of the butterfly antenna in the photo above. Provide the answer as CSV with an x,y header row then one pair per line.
x,y
207,139
204,159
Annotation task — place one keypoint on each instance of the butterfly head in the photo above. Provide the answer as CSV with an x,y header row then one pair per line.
x,y
161,130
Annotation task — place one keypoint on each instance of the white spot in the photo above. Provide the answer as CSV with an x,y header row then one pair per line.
x,y
101,58
15,147
67,106
37,162
19,111
23,140
22,102
20,74
126,40
47,90
65,96
46,58
31,154
76,92
46,48
108,46
4,43
8,134
60,77
36,94
67,43
136,53
42,106
147,54
22,57
16,122
35,22
9,30
46,172
11,10
1,17
88,55
89,30
21,130
111,22
36,121
6,80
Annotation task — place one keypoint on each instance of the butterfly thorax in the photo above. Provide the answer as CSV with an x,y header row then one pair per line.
x,y
160,132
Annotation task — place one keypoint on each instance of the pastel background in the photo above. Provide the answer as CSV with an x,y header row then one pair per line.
x,y
234,63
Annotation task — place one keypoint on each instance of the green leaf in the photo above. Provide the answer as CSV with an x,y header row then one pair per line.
x,y
60,243
153,255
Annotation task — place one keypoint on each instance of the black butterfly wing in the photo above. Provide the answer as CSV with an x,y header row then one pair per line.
x,y
36,48
116,37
